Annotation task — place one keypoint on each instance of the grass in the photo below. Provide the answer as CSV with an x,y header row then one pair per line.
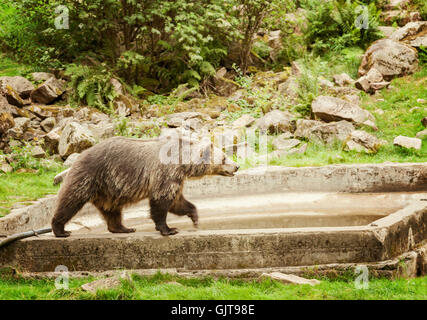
x,y
10,68
166,287
25,187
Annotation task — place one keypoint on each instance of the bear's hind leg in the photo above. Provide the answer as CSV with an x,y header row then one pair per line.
x,y
183,207
159,211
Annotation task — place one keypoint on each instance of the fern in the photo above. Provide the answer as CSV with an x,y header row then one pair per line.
x,y
91,85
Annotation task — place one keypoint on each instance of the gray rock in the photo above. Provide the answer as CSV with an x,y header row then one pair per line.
x,y
19,84
51,141
5,167
38,152
102,130
242,150
334,109
387,31
372,81
75,138
289,278
391,58
244,121
362,141
41,76
276,121
6,118
413,33
117,86
177,120
71,159
324,132
22,123
407,142
106,283
48,124
284,143
343,80
49,91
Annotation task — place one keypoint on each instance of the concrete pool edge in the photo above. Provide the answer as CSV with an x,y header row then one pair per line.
x,y
334,178
225,249
409,264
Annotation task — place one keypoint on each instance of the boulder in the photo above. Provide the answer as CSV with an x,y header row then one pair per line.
x,y
51,141
276,121
362,141
242,150
38,152
391,58
343,80
22,123
75,138
41,76
387,30
6,119
284,143
49,91
223,85
48,124
11,95
19,84
223,136
371,82
413,33
330,109
102,130
326,133
71,159
408,143
244,121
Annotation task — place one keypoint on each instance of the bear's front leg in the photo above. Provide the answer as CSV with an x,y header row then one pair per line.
x,y
183,207
159,210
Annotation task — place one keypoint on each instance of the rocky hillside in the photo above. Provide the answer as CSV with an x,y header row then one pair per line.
x,y
300,111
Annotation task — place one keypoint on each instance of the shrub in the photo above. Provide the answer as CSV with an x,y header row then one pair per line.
x,y
91,86
340,23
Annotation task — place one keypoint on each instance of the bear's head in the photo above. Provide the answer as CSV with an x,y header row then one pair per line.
x,y
197,157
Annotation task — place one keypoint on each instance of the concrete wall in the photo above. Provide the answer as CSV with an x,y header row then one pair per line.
x,y
334,178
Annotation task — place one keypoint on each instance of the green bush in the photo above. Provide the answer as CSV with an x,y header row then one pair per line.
x,y
91,86
334,25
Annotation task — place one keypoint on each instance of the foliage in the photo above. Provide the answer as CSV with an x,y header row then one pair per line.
x,y
334,25
92,86
422,55
308,83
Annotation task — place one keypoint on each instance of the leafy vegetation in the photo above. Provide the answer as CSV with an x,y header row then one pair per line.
x,y
164,286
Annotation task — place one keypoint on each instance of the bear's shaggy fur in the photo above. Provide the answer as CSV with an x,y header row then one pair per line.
x,y
121,171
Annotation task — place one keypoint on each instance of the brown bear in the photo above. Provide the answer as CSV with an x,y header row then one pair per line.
x,y
121,171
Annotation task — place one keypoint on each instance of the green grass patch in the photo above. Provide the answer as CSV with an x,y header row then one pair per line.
x,y
25,187
165,287
11,68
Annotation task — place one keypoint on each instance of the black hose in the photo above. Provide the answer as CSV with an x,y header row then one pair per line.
x,y
23,235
